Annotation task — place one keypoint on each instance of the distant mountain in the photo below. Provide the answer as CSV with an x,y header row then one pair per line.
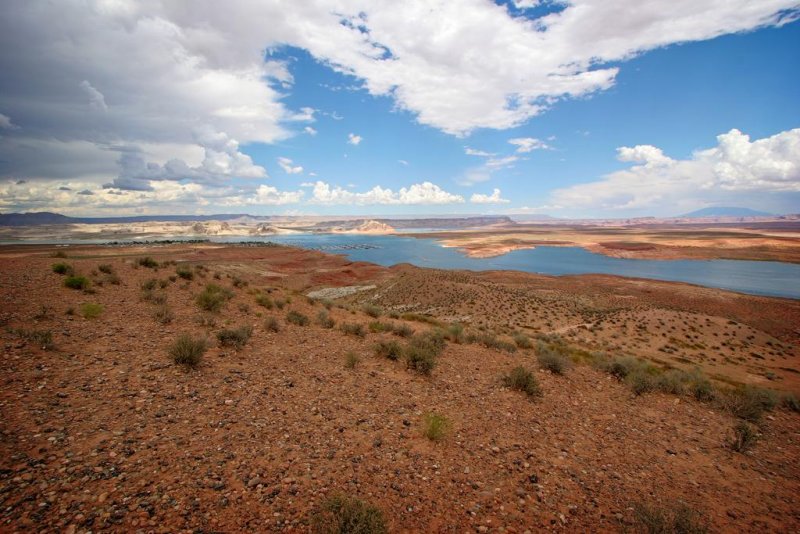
x,y
722,211
46,217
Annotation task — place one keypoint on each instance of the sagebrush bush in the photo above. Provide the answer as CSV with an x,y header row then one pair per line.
x,y
62,268
213,297
105,268
163,314
551,359
490,341
372,310
41,338
402,330
325,320
455,333
521,379
235,337
149,285
148,262
351,360
376,327
749,402
185,272
640,381
264,300
422,351
389,349
271,324
522,341
297,318
91,310
676,519
340,514
435,426
77,282
744,436
353,329
187,350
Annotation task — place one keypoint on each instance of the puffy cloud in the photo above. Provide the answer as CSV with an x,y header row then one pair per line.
x,y
764,173
528,144
286,165
268,195
309,130
424,193
354,139
5,123
494,198
96,99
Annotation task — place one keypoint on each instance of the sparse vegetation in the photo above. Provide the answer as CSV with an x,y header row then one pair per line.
x,y
62,268
149,285
297,318
340,514
389,349
353,329
188,350
163,314
521,379
325,320
185,272
148,262
744,436
213,297
91,310
749,402
40,338
435,426
677,519
455,333
235,337
77,282
105,268
271,324
522,341
372,310
403,330
265,301
422,351
552,359
351,360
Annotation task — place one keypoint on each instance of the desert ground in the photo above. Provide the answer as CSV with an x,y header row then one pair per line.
x,y
643,406
772,240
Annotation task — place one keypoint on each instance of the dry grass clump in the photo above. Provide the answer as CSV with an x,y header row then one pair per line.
x,y
402,330
271,324
148,262
372,310
521,379
91,310
435,426
77,282
351,360
41,338
748,402
62,268
522,341
745,436
391,350
422,351
553,357
491,341
185,272
265,301
105,268
340,514
163,314
675,519
353,329
325,320
455,333
235,337
187,350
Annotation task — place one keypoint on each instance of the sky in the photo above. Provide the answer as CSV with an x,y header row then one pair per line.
x,y
582,108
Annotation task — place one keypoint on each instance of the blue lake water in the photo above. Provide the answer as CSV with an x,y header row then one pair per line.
x,y
769,278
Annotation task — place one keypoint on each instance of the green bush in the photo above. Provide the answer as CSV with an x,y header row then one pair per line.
x,y
187,350
148,262
353,329
749,402
389,349
455,333
235,337
376,327
551,359
325,320
490,341
77,282
422,351
344,515
213,297
41,338
402,330
279,303
149,285
522,341
264,300
62,268
790,402
640,381
297,318
91,311
185,272
521,379
435,426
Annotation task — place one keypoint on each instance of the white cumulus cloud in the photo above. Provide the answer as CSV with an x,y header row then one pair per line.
x,y
288,168
528,144
354,139
416,194
494,198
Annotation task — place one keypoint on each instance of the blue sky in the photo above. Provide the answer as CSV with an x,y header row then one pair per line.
x,y
458,107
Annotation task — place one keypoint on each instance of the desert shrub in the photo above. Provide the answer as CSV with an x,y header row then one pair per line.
x,y
640,381
673,381
279,303
389,349
744,437
62,268
422,350
185,272
455,333
264,300
677,519
353,329
351,359
621,366
790,402
521,379
702,389
325,320
372,310
113,279
41,338
163,314
148,262
435,426
297,318
328,303
149,285
490,341
340,514
77,282
376,327
105,268
749,402
235,337
58,254
402,330
187,350
421,318
238,282
91,310
272,324
551,359
213,297
522,341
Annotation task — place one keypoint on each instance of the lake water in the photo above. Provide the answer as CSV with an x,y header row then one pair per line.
x,y
769,278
